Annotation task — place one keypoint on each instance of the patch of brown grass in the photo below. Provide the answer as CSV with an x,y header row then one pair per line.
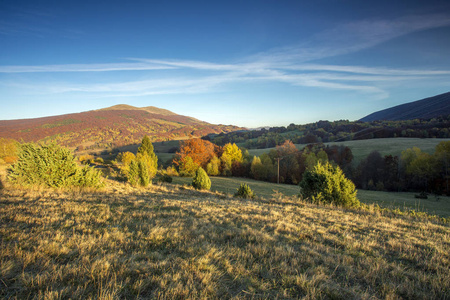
x,y
175,242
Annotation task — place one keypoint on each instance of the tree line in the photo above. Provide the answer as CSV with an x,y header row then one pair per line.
x,y
413,170
343,130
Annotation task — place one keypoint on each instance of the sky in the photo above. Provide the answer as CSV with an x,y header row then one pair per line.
x,y
246,63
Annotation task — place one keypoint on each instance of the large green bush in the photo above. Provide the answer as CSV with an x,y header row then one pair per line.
x,y
51,166
201,180
328,184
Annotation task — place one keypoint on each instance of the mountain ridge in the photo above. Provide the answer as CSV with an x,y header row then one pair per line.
x,y
150,109
426,108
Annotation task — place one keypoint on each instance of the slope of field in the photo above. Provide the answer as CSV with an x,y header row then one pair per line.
x,y
362,148
111,127
176,243
422,109
439,206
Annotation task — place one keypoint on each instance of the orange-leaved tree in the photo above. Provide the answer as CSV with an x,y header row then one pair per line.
x,y
200,151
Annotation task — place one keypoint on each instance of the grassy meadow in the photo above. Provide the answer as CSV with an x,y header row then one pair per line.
x,y
172,242
404,201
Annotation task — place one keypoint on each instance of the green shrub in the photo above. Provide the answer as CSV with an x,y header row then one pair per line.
x,y
138,174
88,177
50,166
201,180
244,191
328,184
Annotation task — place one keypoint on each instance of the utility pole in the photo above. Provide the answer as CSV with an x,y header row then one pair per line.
x,y
278,177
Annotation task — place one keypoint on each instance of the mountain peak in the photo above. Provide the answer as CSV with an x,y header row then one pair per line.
x,y
120,107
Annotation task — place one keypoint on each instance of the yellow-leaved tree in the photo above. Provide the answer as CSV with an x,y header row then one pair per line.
x,y
231,154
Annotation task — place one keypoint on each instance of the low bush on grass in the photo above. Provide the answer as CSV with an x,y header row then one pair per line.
x,y
244,191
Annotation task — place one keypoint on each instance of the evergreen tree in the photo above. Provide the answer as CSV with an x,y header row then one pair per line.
x,y
146,154
144,177
201,180
133,173
146,146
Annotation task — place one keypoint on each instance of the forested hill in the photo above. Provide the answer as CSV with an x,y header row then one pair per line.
x,y
109,127
427,108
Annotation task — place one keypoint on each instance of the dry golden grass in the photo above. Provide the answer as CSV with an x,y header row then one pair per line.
x,y
172,242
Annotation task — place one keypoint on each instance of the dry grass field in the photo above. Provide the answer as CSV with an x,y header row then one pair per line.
x,y
171,242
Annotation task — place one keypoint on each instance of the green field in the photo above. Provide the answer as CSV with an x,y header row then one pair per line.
x,y
229,185
362,148
164,157
164,147
435,206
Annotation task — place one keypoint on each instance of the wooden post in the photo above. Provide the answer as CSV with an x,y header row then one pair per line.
x,y
278,177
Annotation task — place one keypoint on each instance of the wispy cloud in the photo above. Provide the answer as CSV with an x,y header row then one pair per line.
x,y
84,68
291,65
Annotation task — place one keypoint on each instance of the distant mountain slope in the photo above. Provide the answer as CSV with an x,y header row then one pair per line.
x,y
109,127
422,109
150,109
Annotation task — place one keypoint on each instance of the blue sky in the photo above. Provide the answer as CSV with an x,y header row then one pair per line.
x,y
247,63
